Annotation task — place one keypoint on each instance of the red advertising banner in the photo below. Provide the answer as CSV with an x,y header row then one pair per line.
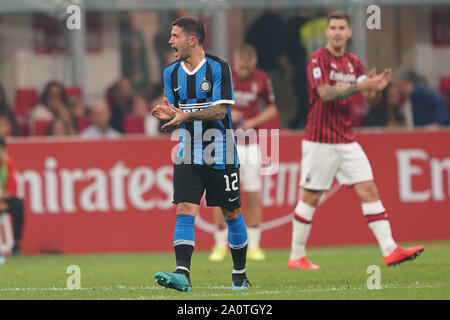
x,y
115,195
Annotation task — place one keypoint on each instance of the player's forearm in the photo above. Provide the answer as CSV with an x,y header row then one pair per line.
x,y
217,112
267,114
332,93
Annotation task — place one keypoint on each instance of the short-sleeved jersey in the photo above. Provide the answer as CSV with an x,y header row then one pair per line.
x,y
209,84
250,91
329,122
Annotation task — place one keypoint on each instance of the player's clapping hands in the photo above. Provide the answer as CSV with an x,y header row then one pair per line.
x,y
164,111
384,78
376,82
167,111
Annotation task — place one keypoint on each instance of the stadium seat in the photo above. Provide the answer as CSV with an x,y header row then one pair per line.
x,y
83,123
41,127
445,88
21,114
134,124
26,98
23,128
76,92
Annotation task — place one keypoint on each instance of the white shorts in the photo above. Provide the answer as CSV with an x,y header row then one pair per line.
x,y
321,162
250,160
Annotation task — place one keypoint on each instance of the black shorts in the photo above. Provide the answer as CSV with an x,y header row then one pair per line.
x,y
190,181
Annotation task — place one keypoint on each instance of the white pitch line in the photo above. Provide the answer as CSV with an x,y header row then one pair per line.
x,y
313,290
118,287
250,292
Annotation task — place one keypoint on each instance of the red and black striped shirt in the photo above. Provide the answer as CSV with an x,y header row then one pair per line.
x,y
329,122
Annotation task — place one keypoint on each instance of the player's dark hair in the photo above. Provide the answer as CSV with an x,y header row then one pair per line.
x,y
62,90
192,26
410,76
337,14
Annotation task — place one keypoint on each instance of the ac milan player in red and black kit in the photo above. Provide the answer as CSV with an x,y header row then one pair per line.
x,y
329,149
251,86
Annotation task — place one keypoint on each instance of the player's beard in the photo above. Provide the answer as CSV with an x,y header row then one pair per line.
x,y
339,45
184,53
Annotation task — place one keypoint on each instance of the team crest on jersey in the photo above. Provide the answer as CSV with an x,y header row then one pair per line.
x,y
317,74
205,85
350,67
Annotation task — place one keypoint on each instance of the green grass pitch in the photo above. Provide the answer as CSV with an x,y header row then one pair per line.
x,y
343,275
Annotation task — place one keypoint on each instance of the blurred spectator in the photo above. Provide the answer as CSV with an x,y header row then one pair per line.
x,y
156,96
141,108
59,127
9,202
270,26
388,111
54,102
122,94
313,32
5,124
297,55
4,109
78,110
134,54
100,116
269,35
423,106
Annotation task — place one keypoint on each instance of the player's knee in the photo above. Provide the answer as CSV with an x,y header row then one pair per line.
x,y
252,197
187,208
311,197
367,191
230,214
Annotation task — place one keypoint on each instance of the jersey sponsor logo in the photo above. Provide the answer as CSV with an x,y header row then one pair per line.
x,y
333,65
254,87
244,99
176,89
350,67
317,74
342,78
205,86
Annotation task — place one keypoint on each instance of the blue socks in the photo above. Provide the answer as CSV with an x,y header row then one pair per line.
x,y
237,232
237,238
184,230
184,243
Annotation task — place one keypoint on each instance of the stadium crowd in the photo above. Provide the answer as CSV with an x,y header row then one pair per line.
x,y
60,110
406,103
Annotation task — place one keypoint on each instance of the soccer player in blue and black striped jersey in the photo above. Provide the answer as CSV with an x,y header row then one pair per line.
x,y
199,93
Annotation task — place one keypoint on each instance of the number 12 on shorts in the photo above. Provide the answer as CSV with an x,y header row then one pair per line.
x,y
234,178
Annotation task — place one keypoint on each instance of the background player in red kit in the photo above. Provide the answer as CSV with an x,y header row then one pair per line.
x,y
251,85
329,149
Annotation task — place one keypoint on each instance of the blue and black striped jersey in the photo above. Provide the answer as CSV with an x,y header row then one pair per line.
x,y
209,143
